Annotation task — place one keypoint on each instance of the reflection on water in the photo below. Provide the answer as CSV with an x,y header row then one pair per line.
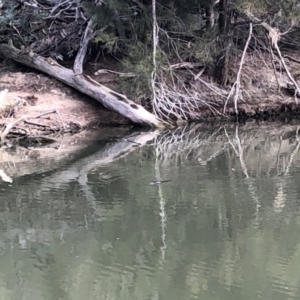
x,y
225,227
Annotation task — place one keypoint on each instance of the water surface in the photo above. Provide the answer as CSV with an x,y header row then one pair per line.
x,y
225,227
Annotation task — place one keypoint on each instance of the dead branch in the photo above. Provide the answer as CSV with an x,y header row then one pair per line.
x,y
199,74
212,87
187,65
292,59
88,35
45,113
59,4
274,35
60,118
36,124
8,127
121,74
235,90
297,88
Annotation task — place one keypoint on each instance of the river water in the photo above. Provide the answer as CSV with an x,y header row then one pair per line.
x,y
226,225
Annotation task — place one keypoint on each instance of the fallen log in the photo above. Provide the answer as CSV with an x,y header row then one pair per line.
x,y
85,84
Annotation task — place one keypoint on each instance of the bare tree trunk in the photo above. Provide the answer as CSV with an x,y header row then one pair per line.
x,y
210,16
85,84
224,42
223,17
88,35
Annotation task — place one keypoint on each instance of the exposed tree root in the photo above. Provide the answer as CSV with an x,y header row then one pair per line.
x,y
235,90
274,35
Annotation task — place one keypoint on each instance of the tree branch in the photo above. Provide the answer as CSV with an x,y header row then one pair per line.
x,y
274,35
237,85
88,35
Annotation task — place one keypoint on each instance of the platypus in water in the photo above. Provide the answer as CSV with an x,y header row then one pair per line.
x,y
158,181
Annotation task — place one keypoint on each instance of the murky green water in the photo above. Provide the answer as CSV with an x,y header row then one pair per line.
x,y
227,225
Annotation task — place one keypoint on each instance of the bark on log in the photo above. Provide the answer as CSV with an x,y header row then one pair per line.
x,y
85,84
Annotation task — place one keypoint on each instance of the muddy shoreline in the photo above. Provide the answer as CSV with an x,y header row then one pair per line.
x,y
39,108
38,105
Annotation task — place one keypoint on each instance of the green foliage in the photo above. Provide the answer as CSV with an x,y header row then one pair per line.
x,y
109,41
10,13
204,48
15,20
290,10
138,61
276,10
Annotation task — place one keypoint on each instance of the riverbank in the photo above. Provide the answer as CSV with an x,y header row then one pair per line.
x,y
37,105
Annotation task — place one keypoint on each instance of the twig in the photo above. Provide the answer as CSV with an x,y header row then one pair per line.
x,y
186,65
297,88
18,32
96,32
292,59
58,14
133,142
58,5
45,113
274,36
237,85
104,71
8,127
36,124
63,124
213,88
199,74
